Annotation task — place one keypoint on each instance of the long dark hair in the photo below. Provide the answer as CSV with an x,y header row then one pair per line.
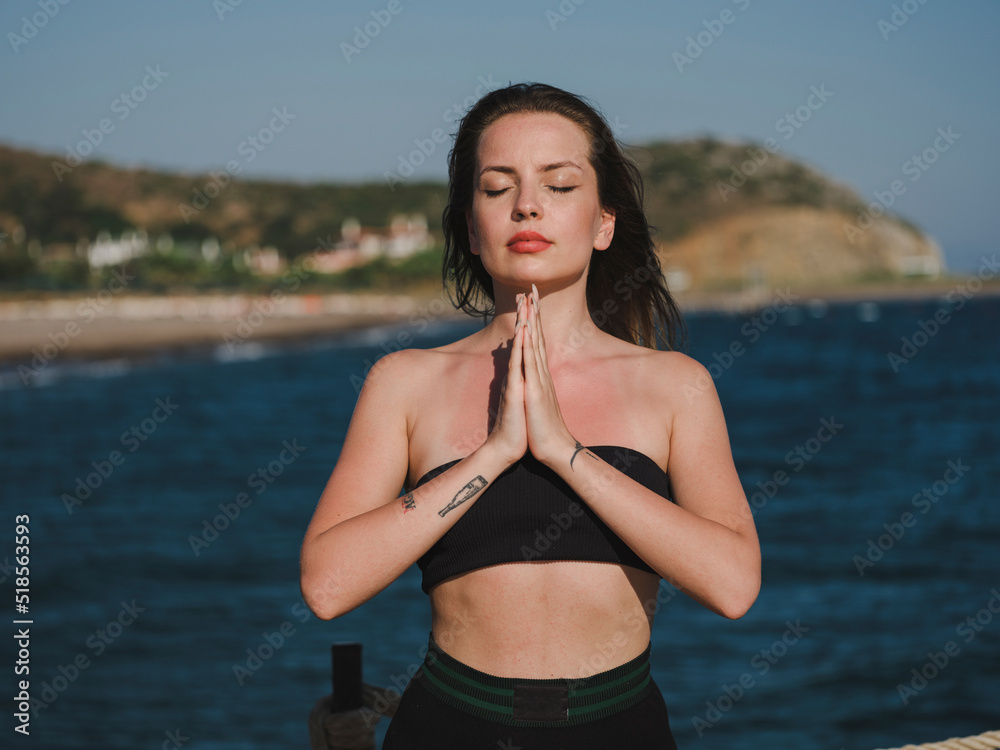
x,y
626,293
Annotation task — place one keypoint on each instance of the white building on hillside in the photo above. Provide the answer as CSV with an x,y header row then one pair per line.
x,y
105,251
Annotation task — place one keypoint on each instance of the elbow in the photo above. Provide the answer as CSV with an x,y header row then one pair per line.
x,y
321,598
735,609
321,609
322,585
744,586
320,606
738,601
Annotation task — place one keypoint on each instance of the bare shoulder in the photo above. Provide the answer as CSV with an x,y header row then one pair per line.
x,y
404,370
373,460
671,375
668,363
400,381
430,362
681,380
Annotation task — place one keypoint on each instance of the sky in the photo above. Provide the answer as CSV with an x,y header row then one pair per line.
x,y
871,93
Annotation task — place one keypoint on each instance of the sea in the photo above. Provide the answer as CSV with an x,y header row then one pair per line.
x,y
162,503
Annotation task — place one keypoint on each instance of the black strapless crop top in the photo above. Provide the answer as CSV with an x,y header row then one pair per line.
x,y
529,513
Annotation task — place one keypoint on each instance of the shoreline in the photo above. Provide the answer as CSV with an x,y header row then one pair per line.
x,y
103,326
34,333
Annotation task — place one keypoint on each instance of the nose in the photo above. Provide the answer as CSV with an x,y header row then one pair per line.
x,y
527,205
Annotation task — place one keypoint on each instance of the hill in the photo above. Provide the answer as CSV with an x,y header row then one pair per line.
x,y
54,205
727,214
731,215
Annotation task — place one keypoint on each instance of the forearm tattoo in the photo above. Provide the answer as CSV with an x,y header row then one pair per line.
x,y
408,504
466,493
577,449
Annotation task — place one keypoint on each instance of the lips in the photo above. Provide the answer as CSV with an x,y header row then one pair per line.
x,y
528,242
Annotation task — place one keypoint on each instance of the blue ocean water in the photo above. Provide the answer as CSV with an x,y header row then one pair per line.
x,y
142,636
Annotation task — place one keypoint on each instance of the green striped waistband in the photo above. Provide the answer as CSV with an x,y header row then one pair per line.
x,y
530,702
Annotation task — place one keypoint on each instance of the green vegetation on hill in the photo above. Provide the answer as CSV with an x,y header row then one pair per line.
x,y
96,196
46,221
182,272
689,183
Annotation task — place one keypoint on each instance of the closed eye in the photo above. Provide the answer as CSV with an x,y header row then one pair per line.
x,y
553,188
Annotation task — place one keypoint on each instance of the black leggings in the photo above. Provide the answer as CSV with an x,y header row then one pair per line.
x,y
449,705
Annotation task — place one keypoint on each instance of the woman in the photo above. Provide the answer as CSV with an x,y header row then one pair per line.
x,y
536,454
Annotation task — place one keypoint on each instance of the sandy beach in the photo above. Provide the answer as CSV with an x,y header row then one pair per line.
x,y
102,325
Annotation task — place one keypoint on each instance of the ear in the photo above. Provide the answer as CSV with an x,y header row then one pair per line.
x,y
473,242
606,231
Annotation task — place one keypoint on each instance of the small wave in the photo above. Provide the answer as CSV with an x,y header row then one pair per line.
x,y
27,377
793,316
818,308
868,312
246,352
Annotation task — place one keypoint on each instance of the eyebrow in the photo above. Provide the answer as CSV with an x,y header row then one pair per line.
x,y
546,168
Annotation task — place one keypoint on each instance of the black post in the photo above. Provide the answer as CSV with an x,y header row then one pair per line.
x,y
346,676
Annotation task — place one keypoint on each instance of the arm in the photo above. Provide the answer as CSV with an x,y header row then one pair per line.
x,y
362,536
706,543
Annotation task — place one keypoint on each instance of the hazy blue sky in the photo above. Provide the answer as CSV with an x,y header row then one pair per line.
x,y
357,113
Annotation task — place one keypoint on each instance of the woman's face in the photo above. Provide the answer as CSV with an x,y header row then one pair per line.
x,y
536,216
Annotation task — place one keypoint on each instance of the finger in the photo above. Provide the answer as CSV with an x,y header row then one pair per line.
x,y
512,386
537,356
514,365
539,332
528,346
520,313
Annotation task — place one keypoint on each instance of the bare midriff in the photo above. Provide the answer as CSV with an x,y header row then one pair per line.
x,y
544,620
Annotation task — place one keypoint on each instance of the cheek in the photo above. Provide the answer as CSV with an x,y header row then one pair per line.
x,y
493,263
487,227
474,222
589,222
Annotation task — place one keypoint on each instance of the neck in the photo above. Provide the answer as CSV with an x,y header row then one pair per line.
x,y
566,321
